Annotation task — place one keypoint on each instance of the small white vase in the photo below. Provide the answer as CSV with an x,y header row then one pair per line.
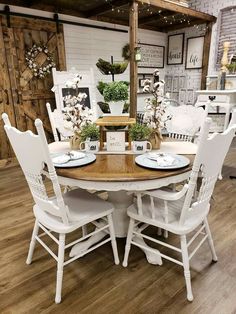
x,y
116,108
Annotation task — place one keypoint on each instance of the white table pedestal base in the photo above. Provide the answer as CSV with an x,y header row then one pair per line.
x,y
121,201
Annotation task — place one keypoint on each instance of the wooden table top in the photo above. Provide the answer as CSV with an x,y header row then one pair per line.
x,y
117,168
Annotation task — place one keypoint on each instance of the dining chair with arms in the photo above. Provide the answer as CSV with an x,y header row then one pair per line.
x,y
179,212
62,213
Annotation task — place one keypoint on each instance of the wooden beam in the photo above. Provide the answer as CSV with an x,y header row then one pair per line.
x,y
133,29
106,7
173,27
154,17
162,4
124,23
109,20
206,54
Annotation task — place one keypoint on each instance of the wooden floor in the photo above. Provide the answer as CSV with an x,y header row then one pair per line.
x,y
93,284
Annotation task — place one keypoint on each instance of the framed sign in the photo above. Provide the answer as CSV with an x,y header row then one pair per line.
x,y
141,79
218,122
74,92
152,56
115,141
175,50
194,52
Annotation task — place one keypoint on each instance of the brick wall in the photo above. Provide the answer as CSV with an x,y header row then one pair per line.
x,y
212,7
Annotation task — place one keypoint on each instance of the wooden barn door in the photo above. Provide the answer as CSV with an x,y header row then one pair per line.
x,y
27,95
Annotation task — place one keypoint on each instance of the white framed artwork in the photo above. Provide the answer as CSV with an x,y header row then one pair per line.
x,y
115,141
194,53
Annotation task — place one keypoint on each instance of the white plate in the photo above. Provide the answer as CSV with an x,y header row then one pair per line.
x,y
179,162
87,159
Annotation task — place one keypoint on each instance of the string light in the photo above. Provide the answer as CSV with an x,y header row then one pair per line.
x,y
146,9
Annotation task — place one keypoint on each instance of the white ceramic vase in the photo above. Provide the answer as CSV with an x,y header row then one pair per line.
x,y
116,107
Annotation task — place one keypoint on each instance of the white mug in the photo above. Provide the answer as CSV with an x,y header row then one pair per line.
x,y
89,146
140,147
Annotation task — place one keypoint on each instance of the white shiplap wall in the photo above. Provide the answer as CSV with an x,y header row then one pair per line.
x,y
84,45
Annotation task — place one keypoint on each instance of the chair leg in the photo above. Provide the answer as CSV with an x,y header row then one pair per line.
x,y
113,239
60,264
159,231
32,243
210,241
185,259
128,240
84,230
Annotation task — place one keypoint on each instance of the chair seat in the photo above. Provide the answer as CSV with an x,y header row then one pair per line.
x,y
84,207
174,210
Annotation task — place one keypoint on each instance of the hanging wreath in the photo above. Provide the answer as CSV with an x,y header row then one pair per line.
x,y
30,58
126,52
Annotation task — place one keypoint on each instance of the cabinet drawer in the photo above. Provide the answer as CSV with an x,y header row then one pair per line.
x,y
218,98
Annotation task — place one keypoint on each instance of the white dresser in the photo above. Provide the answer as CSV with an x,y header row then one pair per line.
x,y
223,99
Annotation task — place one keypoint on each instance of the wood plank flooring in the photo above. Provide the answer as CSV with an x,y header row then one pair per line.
x,y
93,284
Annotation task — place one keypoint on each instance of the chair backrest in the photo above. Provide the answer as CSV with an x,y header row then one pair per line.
x,y
33,155
208,161
58,124
87,85
185,122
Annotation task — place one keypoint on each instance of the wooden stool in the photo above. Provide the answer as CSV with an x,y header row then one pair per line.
x,y
114,121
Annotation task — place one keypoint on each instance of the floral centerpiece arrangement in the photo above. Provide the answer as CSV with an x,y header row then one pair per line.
x,y
76,114
154,116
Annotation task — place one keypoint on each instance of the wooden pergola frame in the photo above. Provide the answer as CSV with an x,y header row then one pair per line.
x,y
198,18
101,13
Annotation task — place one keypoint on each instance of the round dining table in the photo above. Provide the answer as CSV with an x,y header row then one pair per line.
x,y
119,176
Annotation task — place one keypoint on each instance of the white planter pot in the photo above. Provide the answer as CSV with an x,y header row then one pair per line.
x,y
116,108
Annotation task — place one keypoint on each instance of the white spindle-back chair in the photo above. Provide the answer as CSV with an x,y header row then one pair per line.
x,y
62,213
57,124
179,212
185,122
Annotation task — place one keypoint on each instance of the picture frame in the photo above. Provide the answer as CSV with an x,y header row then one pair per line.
x,y
175,49
153,56
218,121
168,84
182,96
194,52
86,85
70,91
190,97
141,78
175,84
115,141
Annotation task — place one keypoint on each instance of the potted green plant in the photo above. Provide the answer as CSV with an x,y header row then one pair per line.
x,y
139,134
89,136
116,93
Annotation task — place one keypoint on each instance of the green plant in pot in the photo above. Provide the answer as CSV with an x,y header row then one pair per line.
x,y
139,133
90,131
89,136
116,93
